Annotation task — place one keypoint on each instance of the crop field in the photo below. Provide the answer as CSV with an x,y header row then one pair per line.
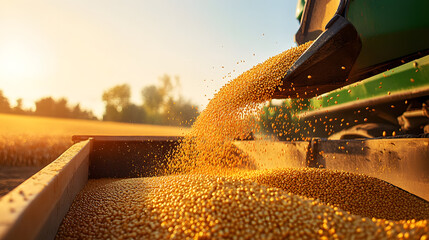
x,y
28,143
36,141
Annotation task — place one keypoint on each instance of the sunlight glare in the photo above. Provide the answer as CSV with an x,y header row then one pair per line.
x,y
20,60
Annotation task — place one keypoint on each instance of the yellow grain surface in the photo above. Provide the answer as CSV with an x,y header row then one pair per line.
x,y
211,195
221,207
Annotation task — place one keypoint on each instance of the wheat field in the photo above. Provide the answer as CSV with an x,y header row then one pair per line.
x,y
36,141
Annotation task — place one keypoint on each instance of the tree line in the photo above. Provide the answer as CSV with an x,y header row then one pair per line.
x,y
162,104
47,107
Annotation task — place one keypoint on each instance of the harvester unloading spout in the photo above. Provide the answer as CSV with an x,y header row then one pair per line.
x,y
353,40
326,64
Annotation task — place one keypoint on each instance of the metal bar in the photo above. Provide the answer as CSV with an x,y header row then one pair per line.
x,y
405,82
78,138
35,209
413,93
313,153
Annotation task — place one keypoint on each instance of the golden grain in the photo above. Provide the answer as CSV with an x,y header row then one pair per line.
x,y
356,193
211,195
31,150
231,115
219,207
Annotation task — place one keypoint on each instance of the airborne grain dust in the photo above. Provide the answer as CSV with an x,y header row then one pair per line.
x,y
231,115
207,196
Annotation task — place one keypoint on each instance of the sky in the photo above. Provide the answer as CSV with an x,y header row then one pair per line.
x,y
79,48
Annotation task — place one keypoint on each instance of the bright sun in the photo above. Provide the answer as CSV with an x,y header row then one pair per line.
x,y
20,60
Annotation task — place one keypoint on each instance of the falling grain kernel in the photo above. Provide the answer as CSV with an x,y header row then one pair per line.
x,y
211,195
229,115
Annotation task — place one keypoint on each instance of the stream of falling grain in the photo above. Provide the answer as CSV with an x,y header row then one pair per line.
x,y
229,115
203,198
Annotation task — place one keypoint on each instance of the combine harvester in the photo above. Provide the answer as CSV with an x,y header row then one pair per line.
x,y
365,76
368,55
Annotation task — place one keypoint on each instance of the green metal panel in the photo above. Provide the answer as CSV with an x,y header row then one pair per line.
x,y
409,76
299,9
389,29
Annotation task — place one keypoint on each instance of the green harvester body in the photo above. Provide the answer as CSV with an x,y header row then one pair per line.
x,y
389,76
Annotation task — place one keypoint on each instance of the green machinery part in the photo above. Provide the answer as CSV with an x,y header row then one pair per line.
x,y
407,81
393,67
389,29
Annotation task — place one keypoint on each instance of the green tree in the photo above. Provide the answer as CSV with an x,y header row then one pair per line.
x,y
117,96
180,112
153,98
61,108
163,107
50,107
4,103
133,114
18,109
116,99
160,105
166,85
119,108
79,113
111,114
45,107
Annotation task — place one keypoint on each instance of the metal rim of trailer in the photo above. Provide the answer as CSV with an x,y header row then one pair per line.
x,y
35,209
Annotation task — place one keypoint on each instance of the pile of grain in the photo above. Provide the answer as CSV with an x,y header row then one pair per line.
x,y
210,207
221,202
356,193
